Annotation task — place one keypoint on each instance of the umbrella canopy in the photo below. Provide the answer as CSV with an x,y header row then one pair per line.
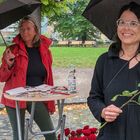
x,y
13,10
103,14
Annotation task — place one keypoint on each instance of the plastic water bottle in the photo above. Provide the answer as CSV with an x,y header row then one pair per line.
x,y
72,80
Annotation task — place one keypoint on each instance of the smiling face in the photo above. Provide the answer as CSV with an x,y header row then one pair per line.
x,y
127,31
27,31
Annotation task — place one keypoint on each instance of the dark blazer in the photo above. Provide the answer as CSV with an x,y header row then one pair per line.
x,y
104,86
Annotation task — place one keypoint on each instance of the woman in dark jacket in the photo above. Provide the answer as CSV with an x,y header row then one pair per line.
x,y
116,71
28,62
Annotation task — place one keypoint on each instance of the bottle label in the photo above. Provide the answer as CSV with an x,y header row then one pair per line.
x,y
72,85
72,80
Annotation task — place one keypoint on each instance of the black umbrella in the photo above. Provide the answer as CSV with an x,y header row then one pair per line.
x,y
103,14
13,10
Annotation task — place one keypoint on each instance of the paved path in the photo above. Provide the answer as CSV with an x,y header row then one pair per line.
x,y
83,79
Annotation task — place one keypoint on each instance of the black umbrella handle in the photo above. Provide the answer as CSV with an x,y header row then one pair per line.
x,y
3,39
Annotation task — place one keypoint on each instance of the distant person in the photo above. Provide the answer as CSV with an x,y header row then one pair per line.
x,y
69,43
84,37
28,63
116,71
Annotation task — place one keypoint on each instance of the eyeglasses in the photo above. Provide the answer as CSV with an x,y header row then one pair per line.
x,y
131,24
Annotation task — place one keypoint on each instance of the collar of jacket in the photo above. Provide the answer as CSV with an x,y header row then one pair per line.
x,y
43,40
44,44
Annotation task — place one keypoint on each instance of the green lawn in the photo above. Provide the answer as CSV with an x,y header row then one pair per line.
x,y
78,56
1,50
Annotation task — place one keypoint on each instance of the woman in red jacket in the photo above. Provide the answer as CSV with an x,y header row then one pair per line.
x,y
28,63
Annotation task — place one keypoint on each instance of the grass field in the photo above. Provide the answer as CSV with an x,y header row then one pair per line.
x,y
1,50
78,56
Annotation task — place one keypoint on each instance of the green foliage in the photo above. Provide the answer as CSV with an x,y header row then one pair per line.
x,y
1,1
70,23
124,93
51,8
132,95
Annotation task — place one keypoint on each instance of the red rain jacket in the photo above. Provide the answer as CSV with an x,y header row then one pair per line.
x,y
16,77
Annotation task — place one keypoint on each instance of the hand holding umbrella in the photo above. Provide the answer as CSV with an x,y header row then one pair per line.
x,y
13,10
9,58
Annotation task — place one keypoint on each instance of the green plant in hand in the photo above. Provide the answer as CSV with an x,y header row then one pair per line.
x,y
126,93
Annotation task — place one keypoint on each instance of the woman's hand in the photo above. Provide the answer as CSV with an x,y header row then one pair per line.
x,y
9,58
110,113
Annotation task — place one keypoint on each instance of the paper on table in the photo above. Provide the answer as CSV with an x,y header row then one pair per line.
x,y
16,91
43,87
20,90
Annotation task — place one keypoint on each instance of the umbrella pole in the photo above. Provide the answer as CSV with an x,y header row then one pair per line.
x,y
3,39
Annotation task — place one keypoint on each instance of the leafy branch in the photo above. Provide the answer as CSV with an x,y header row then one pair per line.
x,y
132,94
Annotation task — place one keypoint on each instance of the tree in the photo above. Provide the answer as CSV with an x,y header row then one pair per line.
x,y
70,23
52,8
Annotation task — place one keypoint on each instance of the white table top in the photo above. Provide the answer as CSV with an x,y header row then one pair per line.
x,y
39,97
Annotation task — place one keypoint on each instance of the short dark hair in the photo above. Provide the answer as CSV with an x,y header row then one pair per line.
x,y
133,7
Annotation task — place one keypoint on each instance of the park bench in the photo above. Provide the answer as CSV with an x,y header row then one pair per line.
x,y
73,42
89,42
76,43
65,42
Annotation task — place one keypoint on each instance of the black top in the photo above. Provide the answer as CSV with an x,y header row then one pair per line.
x,y
36,72
127,125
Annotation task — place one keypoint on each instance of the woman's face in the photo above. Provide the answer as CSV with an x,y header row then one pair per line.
x,y
128,29
27,31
